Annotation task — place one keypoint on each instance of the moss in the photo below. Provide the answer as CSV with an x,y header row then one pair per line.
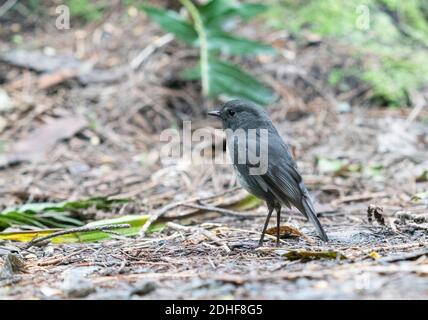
x,y
395,41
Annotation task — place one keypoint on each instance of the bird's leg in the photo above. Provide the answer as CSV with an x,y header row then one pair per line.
x,y
270,207
278,222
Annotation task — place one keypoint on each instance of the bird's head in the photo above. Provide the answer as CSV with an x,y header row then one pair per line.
x,y
241,114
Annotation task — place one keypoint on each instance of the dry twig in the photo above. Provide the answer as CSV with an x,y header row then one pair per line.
x,y
217,209
162,211
74,230
150,49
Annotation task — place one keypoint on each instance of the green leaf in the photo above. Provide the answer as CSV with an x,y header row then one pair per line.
x,y
52,215
338,167
26,236
172,22
329,165
136,223
85,9
217,77
247,203
215,8
215,12
67,221
227,79
344,168
16,218
233,45
249,10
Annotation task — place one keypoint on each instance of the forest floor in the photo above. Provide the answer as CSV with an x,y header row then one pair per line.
x,y
365,166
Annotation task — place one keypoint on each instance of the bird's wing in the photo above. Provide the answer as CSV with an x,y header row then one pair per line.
x,y
285,182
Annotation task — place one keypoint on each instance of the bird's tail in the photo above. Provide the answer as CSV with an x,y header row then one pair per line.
x,y
312,216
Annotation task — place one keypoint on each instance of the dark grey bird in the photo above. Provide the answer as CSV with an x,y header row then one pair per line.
x,y
281,183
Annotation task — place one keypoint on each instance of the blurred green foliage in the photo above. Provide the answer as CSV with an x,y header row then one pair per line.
x,y
34,4
205,28
393,47
392,51
54,215
85,9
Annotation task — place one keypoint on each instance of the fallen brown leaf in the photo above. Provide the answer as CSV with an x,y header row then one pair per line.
x,y
34,147
52,79
285,232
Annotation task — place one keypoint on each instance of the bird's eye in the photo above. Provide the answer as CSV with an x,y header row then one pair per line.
x,y
231,113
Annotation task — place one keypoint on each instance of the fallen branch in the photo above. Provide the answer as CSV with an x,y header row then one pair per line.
x,y
162,211
75,230
218,210
405,256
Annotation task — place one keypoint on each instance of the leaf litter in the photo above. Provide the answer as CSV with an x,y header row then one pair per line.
x,y
367,158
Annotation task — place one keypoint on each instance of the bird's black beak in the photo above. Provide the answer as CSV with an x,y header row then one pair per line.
x,y
215,113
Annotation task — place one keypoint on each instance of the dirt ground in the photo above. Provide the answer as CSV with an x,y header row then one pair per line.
x,y
363,166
